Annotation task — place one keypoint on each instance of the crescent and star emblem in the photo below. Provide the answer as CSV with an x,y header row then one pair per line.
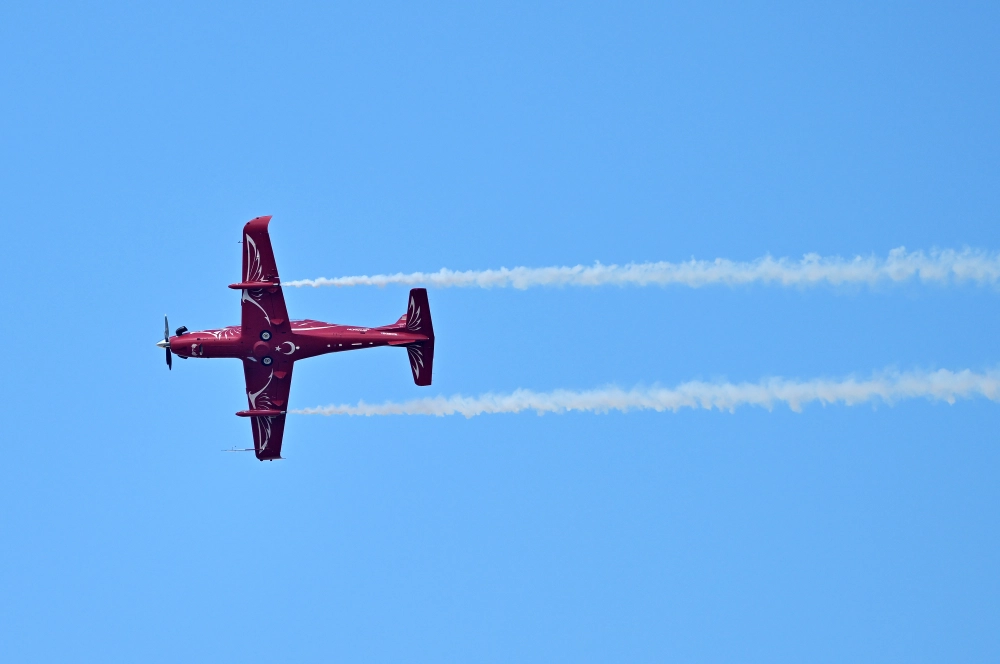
x,y
291,347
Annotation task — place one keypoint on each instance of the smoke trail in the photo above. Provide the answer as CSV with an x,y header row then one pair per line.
x,y
939,266
888,387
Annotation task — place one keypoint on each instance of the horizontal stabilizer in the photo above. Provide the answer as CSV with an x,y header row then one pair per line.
x,y
418,321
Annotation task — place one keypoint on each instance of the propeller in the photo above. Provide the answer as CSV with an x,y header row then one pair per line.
x,y
166,342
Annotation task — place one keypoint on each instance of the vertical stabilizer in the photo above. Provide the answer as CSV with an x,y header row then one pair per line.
x,y
418,313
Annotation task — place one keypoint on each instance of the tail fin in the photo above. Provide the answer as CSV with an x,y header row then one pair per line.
x,y
418,314
418,321
421,361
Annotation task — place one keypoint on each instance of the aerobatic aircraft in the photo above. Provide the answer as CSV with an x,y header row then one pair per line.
x,y
269,344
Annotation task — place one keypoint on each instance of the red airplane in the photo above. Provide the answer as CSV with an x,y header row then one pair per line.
x,y
269,344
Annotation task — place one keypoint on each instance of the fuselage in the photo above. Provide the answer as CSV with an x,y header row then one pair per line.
x,y
305,338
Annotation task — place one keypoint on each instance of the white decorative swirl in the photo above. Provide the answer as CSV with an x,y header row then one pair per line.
x,y
232,332
307,324
413,317
416,355
262,424
252,396
248,297
255,272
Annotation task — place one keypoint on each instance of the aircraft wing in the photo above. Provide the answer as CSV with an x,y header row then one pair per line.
x,y
267,390
263,307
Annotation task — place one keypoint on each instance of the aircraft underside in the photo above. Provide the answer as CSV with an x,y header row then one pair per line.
x,y
269,343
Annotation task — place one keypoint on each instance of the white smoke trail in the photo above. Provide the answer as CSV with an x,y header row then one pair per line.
x,y
939,266
888,387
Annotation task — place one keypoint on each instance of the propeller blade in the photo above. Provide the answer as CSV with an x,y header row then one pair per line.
x,y
170,364
166,329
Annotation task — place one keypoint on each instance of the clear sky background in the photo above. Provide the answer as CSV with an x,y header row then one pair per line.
x,y
138,140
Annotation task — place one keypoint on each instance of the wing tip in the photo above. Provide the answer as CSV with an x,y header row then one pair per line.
x,y
257,224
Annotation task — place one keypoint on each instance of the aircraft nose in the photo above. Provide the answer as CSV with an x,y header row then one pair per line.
x,y
163,343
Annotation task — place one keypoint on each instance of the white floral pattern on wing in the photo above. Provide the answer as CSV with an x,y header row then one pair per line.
x,y
226,333
262,424
255,271
252,296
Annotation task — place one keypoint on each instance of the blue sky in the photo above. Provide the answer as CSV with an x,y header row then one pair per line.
x,y
137,141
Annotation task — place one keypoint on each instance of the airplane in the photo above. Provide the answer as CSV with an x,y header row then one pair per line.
x,y
269,344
